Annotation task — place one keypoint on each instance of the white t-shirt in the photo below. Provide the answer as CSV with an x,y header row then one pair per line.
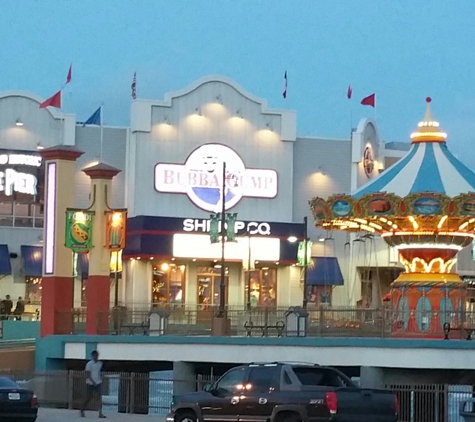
x,y
94,368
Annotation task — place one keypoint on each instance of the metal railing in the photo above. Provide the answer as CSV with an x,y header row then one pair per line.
x,y
320,322
431,402
123,392
192,320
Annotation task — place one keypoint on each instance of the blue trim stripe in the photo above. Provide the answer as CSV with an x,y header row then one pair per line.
x,y
464,171
428,177
385,178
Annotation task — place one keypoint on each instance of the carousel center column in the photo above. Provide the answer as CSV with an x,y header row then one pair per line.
x,y
98,283
57,284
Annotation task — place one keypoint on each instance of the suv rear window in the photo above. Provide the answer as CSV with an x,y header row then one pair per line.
x,y
319,377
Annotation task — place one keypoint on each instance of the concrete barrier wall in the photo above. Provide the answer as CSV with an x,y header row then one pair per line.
x,y
19,330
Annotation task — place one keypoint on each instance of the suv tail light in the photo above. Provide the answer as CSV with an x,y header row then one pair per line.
x,y
332,402
396,405
34,400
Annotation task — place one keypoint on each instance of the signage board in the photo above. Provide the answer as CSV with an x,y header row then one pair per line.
x,y
301,258
78,230
201,178
368,161
241,228
21,176
115,230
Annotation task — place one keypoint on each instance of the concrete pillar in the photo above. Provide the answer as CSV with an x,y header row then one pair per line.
x,y
371,377
139,284
57,284
184,378
98,283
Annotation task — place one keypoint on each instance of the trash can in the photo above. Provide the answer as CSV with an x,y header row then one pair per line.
x,y
119,318
296,321
158,319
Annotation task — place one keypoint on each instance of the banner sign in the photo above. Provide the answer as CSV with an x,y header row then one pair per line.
x,y
301,253
115,230
215,227
201,178
79,230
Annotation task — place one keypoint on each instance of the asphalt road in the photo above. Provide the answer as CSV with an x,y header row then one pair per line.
x,y
55,415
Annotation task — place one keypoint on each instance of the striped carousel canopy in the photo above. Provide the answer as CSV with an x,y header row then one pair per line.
x,y
429,166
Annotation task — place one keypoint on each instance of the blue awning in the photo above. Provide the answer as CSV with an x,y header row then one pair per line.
x,y
32,260
83,265
5,264
325,271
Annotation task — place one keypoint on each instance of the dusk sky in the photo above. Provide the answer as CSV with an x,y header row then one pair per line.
x,y
403,50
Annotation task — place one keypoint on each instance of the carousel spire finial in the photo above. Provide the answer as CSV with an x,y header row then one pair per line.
x,y
428,130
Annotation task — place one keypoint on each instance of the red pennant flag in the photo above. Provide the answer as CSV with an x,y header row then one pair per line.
x,y
54,101
70,74
370,100
284,94
349,92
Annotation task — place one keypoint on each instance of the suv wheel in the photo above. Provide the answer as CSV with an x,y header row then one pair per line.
x,y
185,417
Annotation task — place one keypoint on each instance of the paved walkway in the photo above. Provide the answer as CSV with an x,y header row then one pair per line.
x,y
55,415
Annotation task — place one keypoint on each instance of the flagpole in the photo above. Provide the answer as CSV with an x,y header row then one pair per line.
x,y
102,129
351,117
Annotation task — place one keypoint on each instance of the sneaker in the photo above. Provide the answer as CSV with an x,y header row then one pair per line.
x,y
101,416
81,413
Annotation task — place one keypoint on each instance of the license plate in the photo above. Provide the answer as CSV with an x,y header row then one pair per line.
x,y
13,396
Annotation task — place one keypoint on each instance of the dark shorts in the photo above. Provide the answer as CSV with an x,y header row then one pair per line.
x,y
93,391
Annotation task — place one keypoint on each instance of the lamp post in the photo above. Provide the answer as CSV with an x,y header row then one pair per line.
x,y
305,263
222,286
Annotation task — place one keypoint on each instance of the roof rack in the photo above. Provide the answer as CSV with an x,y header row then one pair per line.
x,y
298,363
283,362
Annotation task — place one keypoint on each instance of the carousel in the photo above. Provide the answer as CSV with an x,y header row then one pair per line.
x,y
424,206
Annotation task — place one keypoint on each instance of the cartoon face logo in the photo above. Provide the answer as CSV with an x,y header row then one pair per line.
x,y
201,178
368,161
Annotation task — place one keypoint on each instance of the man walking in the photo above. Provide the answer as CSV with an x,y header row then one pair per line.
x,y
93,383
20,309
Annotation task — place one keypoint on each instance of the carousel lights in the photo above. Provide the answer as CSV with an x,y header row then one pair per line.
x,y
457,234
367,228
428,233
361,220
429,246
382,219
442,221
444,266
433,124
414,222
462,226
428,134
376,226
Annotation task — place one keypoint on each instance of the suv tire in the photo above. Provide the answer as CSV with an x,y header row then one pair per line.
x,y
186,417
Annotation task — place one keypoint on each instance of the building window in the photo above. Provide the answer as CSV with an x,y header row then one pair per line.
x,y
209,280
263,287
19,214
168,283
33,290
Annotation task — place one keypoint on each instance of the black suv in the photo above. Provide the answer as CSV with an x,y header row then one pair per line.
x,y
284,392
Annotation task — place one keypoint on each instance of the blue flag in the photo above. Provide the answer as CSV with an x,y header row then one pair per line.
x,y
95,119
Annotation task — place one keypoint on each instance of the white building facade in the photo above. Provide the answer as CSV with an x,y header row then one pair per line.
x,y
171,157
